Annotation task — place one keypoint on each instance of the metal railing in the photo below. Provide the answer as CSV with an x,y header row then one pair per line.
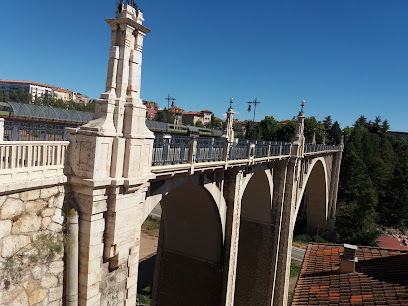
x,y
310,148
262,149
238,150
170,150
209,149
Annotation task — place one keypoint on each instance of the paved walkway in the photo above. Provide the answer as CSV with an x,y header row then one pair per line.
x,y
298,254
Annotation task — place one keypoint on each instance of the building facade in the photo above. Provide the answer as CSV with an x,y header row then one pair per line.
x,y
151,109
193,117
34,88
207,115
178,114
39,89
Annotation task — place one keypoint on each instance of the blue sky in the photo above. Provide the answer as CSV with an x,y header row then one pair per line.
x,y
345,58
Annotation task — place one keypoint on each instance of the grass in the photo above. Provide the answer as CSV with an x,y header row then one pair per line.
x,y
151,226
294,271
295,267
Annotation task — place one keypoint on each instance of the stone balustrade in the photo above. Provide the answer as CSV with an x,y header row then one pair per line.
x,y
29,163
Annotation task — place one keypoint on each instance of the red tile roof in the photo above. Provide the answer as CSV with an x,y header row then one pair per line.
x,y
396,242
59,89
206,111
193,113
381,277
176,109
26,82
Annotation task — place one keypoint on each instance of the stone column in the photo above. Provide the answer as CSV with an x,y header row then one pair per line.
x,y
1,129
230,122
288,215
232,194
279,181
334,186
109,165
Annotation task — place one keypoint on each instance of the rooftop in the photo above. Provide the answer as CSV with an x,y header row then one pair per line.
x,y
193,113
381,277
25,82
396,242
39,112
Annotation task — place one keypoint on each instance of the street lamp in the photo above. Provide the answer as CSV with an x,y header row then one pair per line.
x,y
255,103
302,103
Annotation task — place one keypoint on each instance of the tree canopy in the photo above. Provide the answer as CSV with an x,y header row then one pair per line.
x,y
373,189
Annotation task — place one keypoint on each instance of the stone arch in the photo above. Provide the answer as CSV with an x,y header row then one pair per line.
x,y
161,189
253,275
189,258
315,195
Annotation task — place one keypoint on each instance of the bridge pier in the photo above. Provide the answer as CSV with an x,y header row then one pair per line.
x,y
288,215
232,190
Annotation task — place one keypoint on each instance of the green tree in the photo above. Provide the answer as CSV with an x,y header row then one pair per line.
x,y
327,122
373,182
165,116
270,128
199,124
335,134
312,126
385,126
362,121
215,123
287,131
356,212
253,132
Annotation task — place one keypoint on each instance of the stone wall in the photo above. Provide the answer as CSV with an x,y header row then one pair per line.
x,y
32,247
113,285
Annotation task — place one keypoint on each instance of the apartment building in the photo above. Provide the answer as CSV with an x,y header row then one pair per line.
x,y
193,117
151,109
39,89
34,88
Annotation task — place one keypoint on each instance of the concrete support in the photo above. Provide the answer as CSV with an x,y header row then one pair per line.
x,y
232,194
286,235
279,182
334,186
288,215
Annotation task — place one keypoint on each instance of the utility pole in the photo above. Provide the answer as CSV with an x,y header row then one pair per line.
x,y
255,103
168,101
168,107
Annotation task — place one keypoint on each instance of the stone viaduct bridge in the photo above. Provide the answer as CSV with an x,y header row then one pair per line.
x,y
228,207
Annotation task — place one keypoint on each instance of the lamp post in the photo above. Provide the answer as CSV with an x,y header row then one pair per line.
x,y
255,103
252,130
302,103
